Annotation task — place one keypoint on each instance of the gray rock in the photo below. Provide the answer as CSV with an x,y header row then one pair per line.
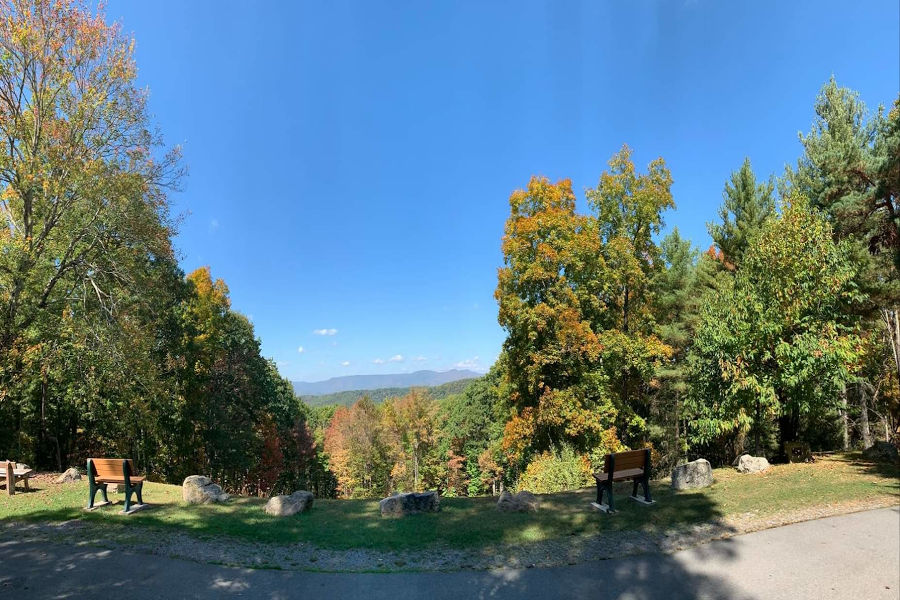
x,y
881,452
695,474
752,464
71,474
401,505
521,502
198,489
285,506
115,488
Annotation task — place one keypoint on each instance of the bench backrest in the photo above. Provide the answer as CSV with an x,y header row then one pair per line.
x,y
110,467
633,459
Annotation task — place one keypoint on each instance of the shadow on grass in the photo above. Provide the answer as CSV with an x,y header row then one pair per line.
x,y
345,524
886,473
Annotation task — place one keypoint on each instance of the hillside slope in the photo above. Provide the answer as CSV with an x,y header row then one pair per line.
x,y
348,397
375,382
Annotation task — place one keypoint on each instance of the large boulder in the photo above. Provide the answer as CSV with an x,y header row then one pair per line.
x,y
881,452
198,489
401,505
521,502
695,474
71,474
752,464
285,506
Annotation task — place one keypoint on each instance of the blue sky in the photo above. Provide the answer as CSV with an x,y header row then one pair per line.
x,y
351,163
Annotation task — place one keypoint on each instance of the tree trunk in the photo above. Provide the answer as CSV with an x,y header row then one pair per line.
x,y
845,421
756,426
864,430
891,319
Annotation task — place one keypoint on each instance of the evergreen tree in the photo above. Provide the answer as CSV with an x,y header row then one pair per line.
x,y
746,205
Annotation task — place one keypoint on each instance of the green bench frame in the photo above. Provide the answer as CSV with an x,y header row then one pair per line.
x,y
98,481
633,465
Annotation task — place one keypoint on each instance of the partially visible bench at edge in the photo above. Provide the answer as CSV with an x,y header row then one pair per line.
x,y
102,471
624,466
13,472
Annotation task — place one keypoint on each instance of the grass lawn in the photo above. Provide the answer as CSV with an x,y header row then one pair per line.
x,y
474,522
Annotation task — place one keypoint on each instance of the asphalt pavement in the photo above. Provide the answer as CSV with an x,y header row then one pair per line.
x,y
855,556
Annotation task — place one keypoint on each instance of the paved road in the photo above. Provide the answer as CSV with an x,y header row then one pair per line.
x,y
852,556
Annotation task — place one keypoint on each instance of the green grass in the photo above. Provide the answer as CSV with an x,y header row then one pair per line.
x,y
473,522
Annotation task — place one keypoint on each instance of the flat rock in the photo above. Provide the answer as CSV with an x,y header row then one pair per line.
x,y
521,502
410,503
198,489
692,475
752,464
287,505
881,452
71,474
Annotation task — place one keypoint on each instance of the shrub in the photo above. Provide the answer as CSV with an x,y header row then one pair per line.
x,y
556,472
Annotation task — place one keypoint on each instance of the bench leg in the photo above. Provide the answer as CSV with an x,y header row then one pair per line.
x,y
136,490
645,484
607,488
26,485
93,489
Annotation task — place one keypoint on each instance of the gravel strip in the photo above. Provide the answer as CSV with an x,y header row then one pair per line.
x,y
305,556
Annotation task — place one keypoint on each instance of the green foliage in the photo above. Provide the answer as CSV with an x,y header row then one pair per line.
x,y
746,206
778,342
558,471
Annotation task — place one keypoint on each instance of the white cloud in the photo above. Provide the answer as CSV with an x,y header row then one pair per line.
x,y
213,225
346,363
419,358
299,349
469,363
325,331
396,358
378,361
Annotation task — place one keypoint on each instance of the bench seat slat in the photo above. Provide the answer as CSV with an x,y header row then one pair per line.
x,y
619,475
17,472
133,479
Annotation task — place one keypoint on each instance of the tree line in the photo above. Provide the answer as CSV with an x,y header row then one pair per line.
x,y
106,347
617,337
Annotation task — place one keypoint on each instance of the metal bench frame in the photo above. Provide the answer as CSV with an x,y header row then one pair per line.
x,y
130,488
606,484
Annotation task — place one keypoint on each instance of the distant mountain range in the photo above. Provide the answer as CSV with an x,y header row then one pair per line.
x,y
379,395
372,382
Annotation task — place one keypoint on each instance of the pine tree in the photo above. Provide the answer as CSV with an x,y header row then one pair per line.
x,y
745,207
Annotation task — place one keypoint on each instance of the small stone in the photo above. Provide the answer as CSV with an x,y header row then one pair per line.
x,y
410,503
71,474
692,475
198,489
115,488
522,502
752,464
287,505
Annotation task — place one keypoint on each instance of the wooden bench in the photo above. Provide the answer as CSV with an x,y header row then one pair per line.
x,y
102,471
13,472
634,466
